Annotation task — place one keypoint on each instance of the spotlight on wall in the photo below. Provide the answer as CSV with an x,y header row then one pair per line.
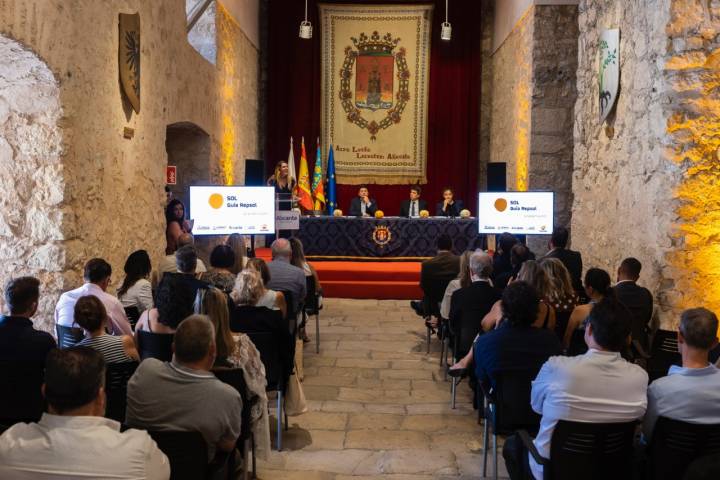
x,y
446,28
305,26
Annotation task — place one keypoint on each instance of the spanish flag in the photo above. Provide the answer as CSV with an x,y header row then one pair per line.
x,y
303,192
318,189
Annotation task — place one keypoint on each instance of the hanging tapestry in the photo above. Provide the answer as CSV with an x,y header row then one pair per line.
x,y
375,71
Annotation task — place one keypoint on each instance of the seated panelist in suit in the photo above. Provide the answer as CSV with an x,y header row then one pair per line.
x,y
449,207
363,205
411,208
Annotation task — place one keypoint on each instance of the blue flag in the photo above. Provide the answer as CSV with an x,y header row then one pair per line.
x,y
330,194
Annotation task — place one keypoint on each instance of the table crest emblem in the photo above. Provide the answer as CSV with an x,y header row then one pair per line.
x,y
381,235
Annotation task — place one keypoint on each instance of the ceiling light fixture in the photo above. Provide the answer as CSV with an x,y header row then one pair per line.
x,y
305,26
446,28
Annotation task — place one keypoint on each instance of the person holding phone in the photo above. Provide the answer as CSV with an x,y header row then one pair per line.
x,y
176,224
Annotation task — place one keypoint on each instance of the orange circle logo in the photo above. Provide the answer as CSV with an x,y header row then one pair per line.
x,y
215,200
500,204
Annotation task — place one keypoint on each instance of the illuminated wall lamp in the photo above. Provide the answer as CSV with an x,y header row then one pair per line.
x,y
446,28
305,27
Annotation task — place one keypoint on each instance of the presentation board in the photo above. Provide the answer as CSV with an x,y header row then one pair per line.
x,y
219,210
523,213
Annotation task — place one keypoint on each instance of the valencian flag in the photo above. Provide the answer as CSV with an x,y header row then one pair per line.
x,y
331,198
303,188
318,189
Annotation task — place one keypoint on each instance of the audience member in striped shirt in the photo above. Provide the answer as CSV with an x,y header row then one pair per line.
x,y
90,314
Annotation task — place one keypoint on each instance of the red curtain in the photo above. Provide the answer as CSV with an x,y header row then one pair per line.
x,y
293,99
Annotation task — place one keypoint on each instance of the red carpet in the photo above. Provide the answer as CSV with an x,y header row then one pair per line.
x,y
379,280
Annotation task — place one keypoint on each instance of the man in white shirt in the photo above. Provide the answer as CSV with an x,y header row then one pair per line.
x,y
73,440
690,393
597,387
168,263
97,278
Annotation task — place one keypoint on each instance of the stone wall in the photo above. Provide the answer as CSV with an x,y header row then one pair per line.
x,y
511,99
486,95
112,197
623,183
31,174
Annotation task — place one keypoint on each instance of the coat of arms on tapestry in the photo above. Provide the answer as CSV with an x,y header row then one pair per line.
x,y
375,71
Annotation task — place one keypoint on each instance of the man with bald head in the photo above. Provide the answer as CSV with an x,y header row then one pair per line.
x,y
183,394
284,276
470,304
168,263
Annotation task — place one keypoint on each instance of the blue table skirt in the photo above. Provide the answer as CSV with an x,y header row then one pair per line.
x,y
389,238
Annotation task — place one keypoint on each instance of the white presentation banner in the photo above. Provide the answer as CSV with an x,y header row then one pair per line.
x,y
287,220
523,213
222,210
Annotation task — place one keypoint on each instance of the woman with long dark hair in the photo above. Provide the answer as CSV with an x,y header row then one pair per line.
x,y
136,290
597,287
176,224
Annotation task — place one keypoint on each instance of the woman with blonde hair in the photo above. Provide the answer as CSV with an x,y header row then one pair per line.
x,y
237,243
238,351
561,294
268,298
531,273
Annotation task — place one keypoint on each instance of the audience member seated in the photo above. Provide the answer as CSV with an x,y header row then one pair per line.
x,y
222,259
237,243
637,299
561,295
597,387
97,278
23,350
516,343
268,298
470,304
283,275
572,260
501,259
436,273
519,254
177,225
90,314
173,303
238,351
136,290
298,260
597,287
168,263
690,393
531,273
183,395
449,207
461,281
73,440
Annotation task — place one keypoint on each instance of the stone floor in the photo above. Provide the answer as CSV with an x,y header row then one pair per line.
x,y
378,405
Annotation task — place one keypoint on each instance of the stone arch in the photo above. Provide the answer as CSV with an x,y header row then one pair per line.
x,y
31,174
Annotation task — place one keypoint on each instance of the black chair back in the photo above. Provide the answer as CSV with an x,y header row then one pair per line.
x,y
591,451
577,343
116,379
235,377
68,336
511,399
561,321
21,399
133,315
434,295
275,372
663,354
675,445
155,345
312,300
292,312
186,451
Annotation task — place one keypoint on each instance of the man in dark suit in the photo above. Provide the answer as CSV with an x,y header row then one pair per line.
x,y
637,299
470,304
450,206
363,205
413,207
435,274
22,353
572,260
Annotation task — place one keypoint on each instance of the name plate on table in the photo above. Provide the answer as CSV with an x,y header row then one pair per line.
x,y
287,220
